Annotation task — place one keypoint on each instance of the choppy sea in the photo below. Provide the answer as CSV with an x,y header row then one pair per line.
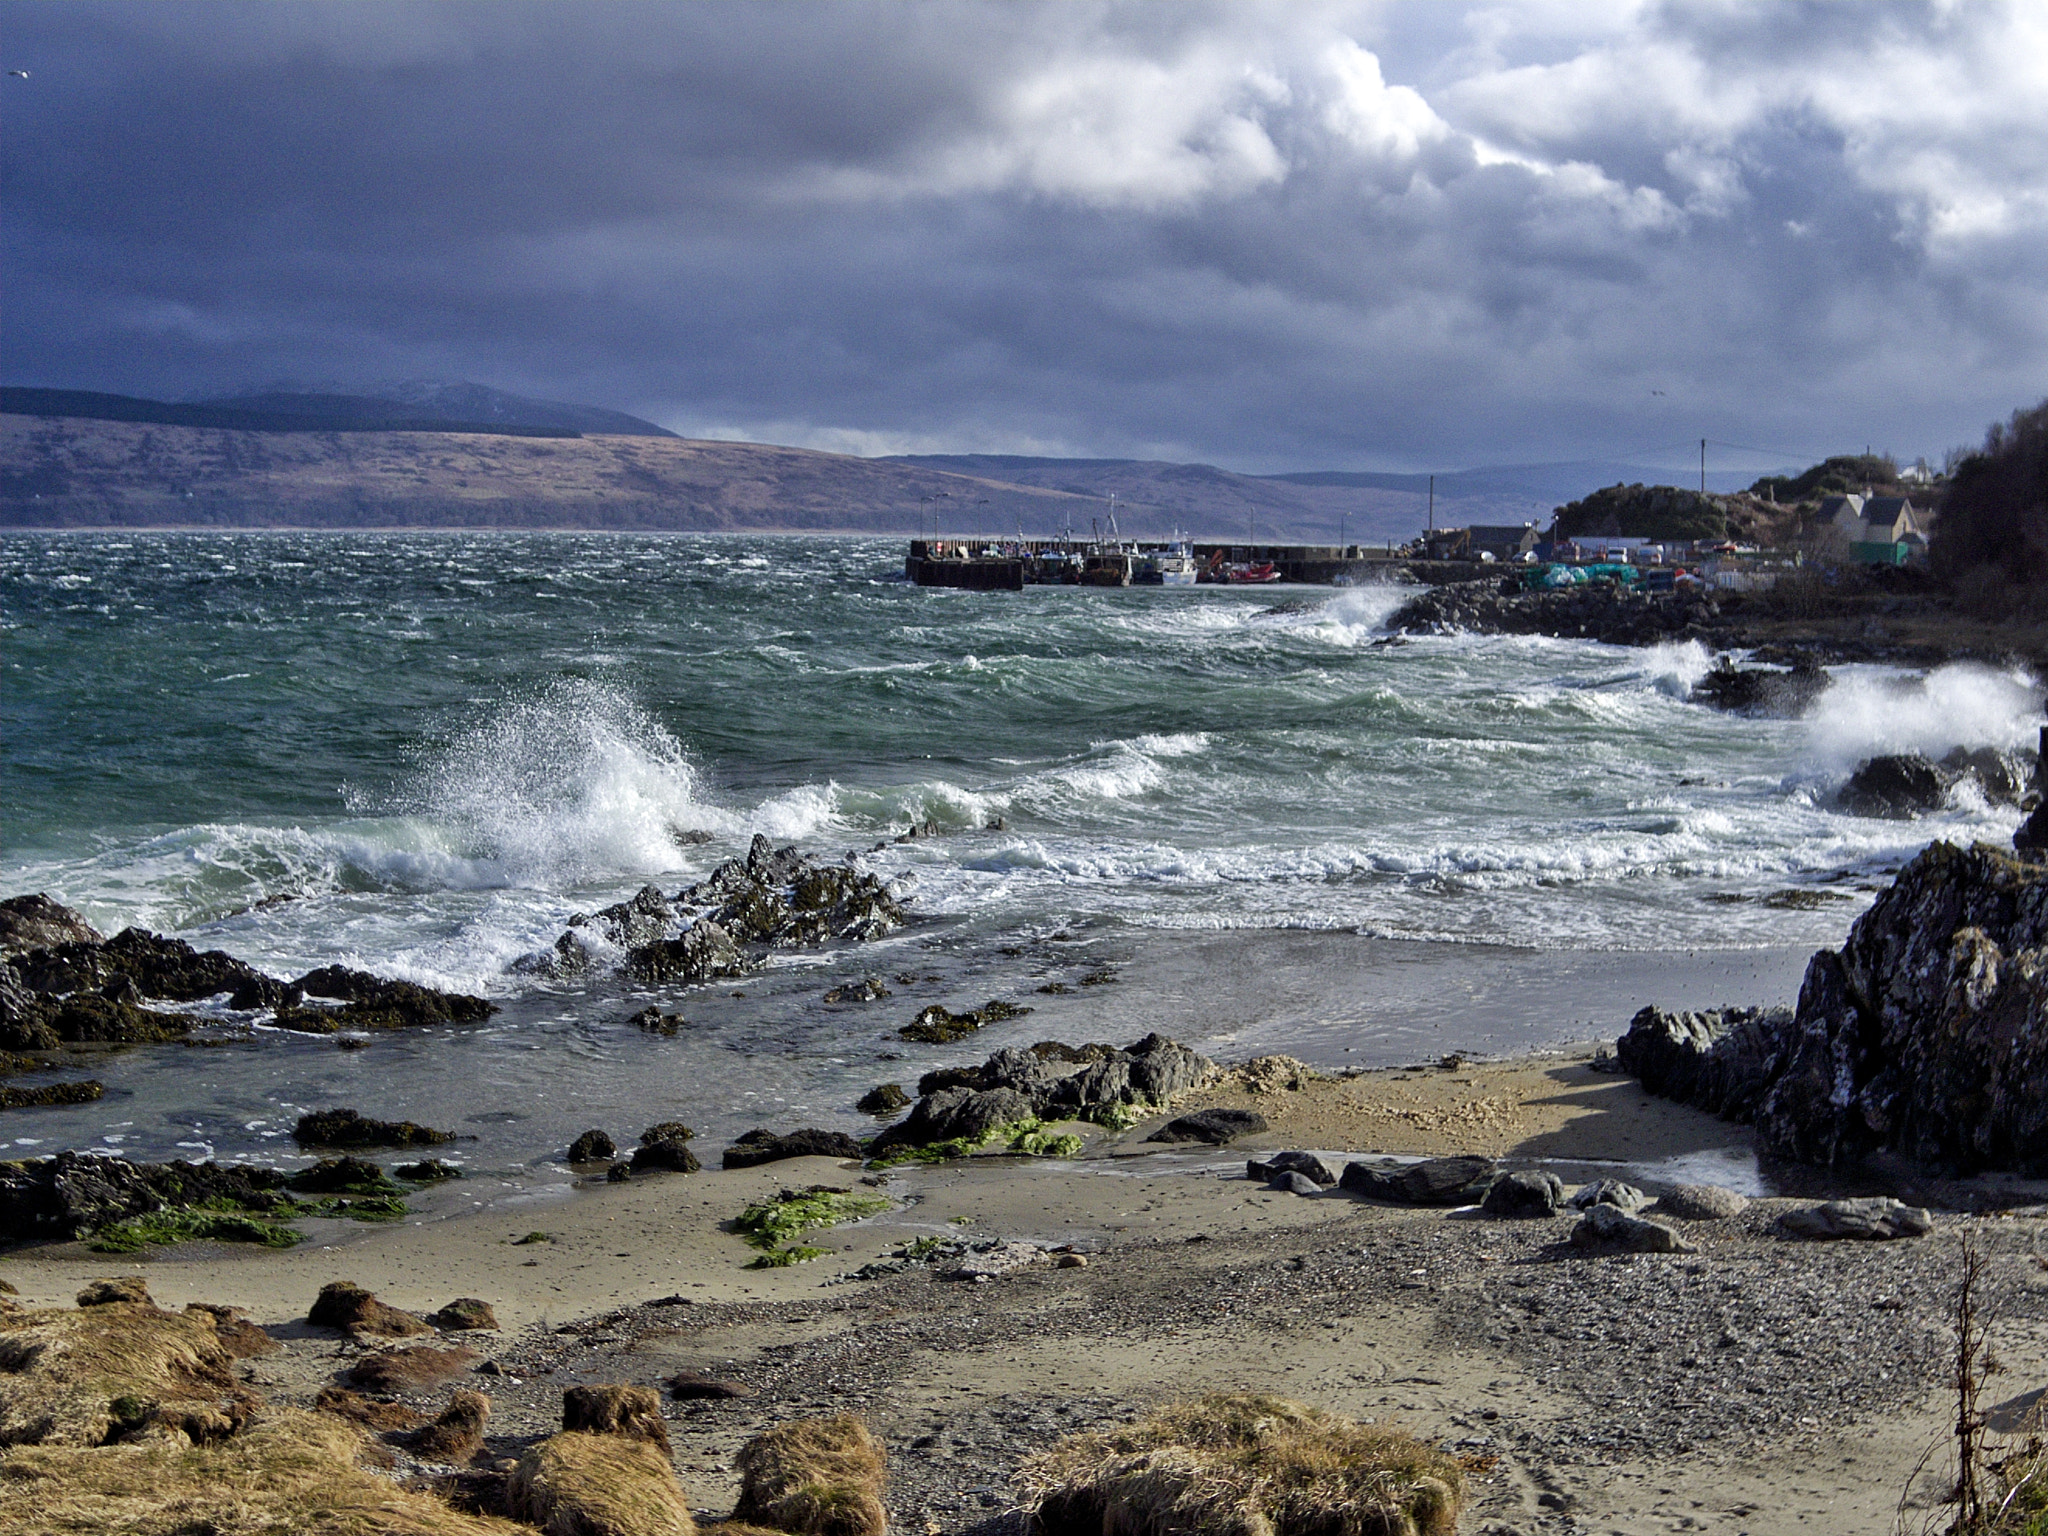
x,y
1250,818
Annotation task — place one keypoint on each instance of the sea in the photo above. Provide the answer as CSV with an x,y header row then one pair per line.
x,y
1249,818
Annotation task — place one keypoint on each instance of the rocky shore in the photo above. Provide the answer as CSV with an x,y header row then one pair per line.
x,y
1899,617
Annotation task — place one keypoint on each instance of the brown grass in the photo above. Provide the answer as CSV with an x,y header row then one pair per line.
x,y
1245,1464
573,1484
291,1473
83,1377
458,1434
814,1477
613,1408
357,1311
367,1412
408,1367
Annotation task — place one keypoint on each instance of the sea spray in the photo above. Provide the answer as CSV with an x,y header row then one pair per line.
x,y
1868,712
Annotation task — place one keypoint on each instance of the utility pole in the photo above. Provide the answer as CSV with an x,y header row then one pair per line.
x,y
1432,503
1703,466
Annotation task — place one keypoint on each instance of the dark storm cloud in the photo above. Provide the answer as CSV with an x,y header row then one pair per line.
x,y
1271,236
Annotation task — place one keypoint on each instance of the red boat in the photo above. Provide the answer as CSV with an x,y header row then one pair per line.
x,y
1250,575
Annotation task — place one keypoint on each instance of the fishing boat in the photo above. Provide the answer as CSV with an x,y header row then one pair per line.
x,y
1173,566
1254,573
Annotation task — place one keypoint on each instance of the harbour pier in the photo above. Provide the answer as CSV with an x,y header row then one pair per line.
x,y
1010,565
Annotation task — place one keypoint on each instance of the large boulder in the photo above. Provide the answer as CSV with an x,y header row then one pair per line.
x,y
1870,1219
764,1146
1433,1181
1898,785
1214,1126
1925,1034
1715,1059
36,922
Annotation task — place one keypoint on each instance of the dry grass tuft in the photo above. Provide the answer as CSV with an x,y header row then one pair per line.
x,y
613,1408
1245,1464
238,1336
358,1312
87,1376
458,1434
293,1472
367,1412
814,1477
408,1367
574,1484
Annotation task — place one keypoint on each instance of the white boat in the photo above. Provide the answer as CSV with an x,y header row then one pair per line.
x,y
1173,566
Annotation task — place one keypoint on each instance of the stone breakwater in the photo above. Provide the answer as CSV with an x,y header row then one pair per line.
x,y
1617,615
1925,1034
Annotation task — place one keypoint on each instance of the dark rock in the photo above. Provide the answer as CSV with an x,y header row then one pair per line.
x,y
666,1130
704,952
1700,1202
83,1091
1718,1060
169,969
1762,690
935,1026
867,991
1524,1193
671,1156
119,1288
2031,835
883,1099
348,1128
1214,1126
1434,1181
763,1146
2002,776
23,1026
1874,1219
618,1173
1288,1182
357,1311
431,1170
655,1022
373,1002
341,1176
75,1194
593,1147
37,922
1609,1229
465,1313
1623,1197
1898,785
1305,1163
690,1385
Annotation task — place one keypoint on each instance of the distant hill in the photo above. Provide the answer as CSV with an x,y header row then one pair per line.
x,y
92,472
309,413
427,400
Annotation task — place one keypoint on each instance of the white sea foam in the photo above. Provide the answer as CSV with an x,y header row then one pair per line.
x,y
1868,712
1674,667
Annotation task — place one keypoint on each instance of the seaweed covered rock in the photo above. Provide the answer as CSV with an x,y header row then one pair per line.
x,y
1213,1126
351,1128
1242,1463
1047,1082
458,1433
615,1408
764,1146
1925,1034
76,1193
593,1147
358,1000
814,1477
36,922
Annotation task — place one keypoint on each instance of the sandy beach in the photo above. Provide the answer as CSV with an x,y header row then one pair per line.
x,y
1755,1384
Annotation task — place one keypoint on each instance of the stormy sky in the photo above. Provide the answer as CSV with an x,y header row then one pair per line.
x,y
1294,235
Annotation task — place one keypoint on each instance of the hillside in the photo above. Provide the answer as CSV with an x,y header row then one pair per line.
x,y
69,472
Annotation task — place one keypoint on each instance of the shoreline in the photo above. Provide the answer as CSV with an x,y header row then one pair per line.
x,y
1558,1373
